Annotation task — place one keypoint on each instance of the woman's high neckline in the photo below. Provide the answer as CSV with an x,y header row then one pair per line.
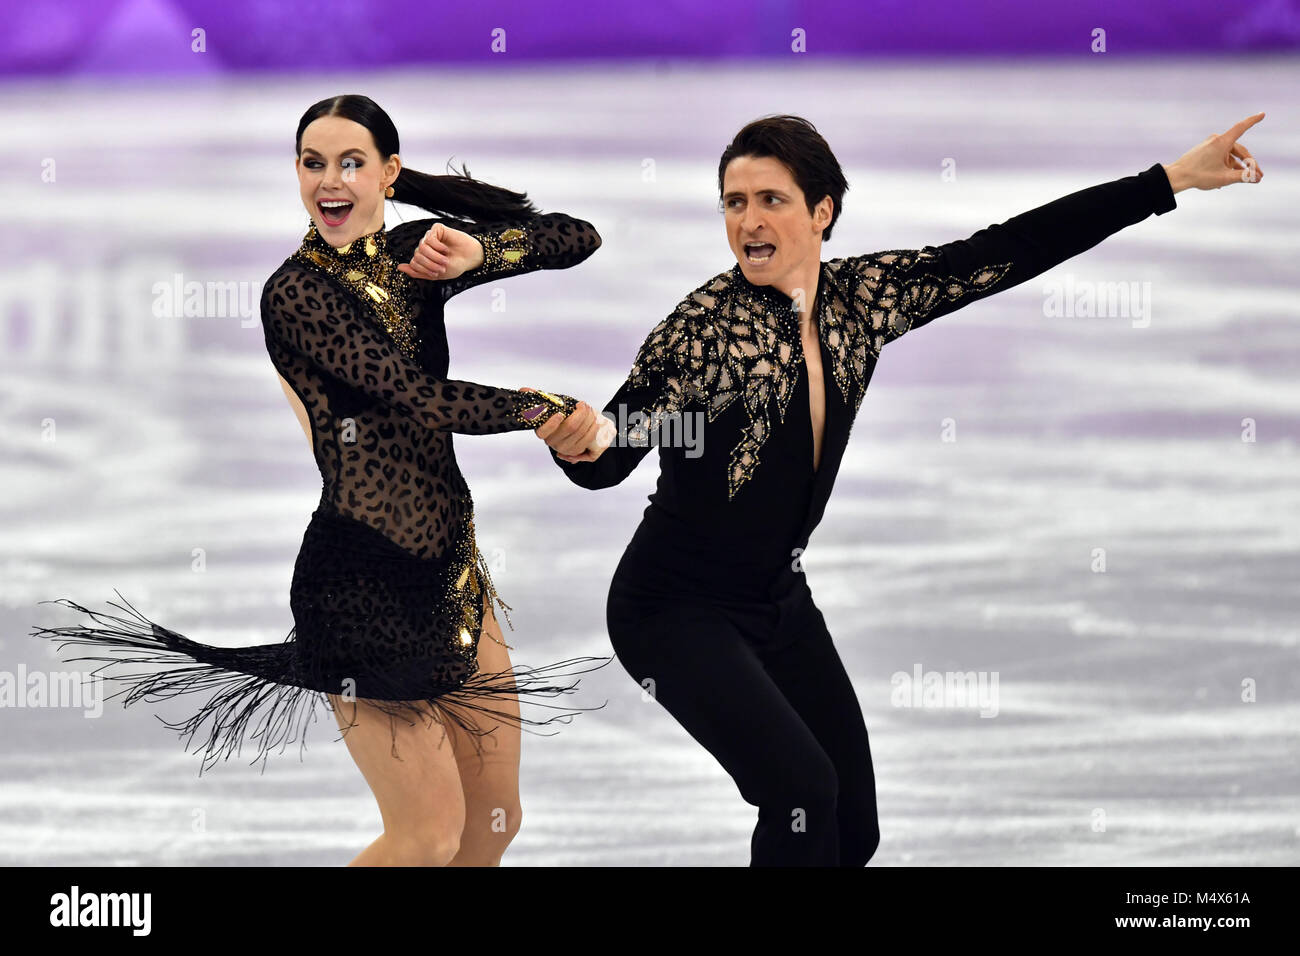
x,y
361,248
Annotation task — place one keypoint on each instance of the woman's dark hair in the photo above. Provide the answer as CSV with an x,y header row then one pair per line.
x,y
456,196
797,144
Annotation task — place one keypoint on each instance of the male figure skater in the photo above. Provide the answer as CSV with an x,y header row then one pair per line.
x,y
767,363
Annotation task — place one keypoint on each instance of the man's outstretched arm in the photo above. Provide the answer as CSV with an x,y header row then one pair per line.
x,y
911,287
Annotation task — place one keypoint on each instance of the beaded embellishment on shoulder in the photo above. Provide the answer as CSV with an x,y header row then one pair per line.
x,y
732,340
892,290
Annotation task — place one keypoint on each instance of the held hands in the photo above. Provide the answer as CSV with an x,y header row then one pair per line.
x,y
444,253
581,436
1217,162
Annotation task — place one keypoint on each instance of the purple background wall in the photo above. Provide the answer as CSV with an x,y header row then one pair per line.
x,y
154,36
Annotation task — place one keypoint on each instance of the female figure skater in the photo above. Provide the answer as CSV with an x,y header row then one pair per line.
x,y
707,609
390,595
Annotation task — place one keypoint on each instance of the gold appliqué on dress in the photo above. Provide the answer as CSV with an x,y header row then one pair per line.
x,y
503,249
469,590
365,266
561,404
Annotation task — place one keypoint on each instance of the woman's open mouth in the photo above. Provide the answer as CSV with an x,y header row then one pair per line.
x,y
759,252
334,212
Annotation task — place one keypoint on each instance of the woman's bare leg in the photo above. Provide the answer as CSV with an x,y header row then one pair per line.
x,y
490,785
418,791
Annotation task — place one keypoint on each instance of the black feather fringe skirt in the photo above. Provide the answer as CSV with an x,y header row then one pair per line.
x,y
372,623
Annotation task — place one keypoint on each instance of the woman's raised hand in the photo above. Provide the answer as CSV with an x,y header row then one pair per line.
x,y
444,253
1217,162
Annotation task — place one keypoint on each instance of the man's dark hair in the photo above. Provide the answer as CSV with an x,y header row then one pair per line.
x,y
797,144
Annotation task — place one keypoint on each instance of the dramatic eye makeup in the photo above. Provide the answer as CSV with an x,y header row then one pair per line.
x,y
312,159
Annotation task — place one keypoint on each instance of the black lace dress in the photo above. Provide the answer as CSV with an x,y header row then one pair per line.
x,y
389,590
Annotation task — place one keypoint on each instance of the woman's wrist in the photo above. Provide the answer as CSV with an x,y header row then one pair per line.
x,y
1177,178
536,413
476,258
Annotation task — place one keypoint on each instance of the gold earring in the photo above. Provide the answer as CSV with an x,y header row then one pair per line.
x,y
389,192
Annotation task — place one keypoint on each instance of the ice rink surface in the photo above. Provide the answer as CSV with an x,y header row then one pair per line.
x,y
1146,714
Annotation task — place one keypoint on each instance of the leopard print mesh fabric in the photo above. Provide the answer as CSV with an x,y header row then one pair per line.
x,y
389,591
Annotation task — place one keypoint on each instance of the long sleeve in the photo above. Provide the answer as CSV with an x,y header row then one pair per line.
x,y
545,241
302,312
915,286
655,387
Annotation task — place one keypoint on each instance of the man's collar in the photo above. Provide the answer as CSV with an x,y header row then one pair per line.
x,y
779,299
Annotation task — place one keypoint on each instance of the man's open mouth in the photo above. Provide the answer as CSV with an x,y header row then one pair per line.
x,y
334,211
759,252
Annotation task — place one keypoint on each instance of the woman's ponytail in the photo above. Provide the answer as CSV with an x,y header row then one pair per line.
x,y
457,196
460,196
